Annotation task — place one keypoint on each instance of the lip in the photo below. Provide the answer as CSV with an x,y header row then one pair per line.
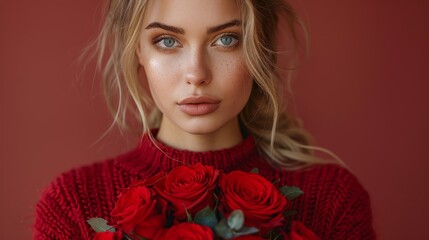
x,y
198,99
198,105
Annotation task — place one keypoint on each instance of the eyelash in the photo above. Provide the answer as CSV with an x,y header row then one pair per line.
x,y
157,41
233,35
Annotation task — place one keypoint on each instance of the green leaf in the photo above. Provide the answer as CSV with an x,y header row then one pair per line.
x,y
206,217
255,170
245,231
100,225
236,220
225,232
291,192
222,229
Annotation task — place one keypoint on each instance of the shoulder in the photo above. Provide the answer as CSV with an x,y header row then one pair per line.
x,y
108,171
330,183
70,187
73,179
116,172
327,175
323,184
82,180
75,196
97,180
320,175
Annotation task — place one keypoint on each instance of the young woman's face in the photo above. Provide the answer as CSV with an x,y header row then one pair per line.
x,y
191,52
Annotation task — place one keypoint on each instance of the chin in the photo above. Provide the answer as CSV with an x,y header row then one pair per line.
x,y
200,130
203,128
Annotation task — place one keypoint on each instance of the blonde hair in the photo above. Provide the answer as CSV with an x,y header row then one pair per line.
x,y
278,135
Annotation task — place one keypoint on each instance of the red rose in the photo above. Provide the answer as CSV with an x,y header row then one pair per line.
x,y
188,187
138,211
300,232
187,230
108,236
249,237
261,202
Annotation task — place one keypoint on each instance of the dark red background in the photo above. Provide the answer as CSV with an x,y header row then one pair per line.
x,y
362,93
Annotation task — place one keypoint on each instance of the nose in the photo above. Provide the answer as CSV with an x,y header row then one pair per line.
x,y
198,71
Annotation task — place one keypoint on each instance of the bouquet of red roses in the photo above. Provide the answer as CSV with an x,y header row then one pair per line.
x,y
201,202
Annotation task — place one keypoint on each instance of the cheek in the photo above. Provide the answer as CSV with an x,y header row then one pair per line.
x,y
236,78
160,68
156,65
160,73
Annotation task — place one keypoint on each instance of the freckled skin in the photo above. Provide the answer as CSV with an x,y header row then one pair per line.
x,y
198,64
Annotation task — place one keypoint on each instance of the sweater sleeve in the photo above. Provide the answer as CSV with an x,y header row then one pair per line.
x,y
335,206
353,217
57,214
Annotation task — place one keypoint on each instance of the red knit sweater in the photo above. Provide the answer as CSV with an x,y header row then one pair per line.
x,y
334,204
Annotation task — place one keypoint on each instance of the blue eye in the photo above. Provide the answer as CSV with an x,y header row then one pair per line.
x,y
227,40
166,42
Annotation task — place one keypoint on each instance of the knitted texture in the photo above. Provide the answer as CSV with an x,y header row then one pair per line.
x,y
334,204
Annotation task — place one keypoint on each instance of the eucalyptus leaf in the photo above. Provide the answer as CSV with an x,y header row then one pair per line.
x,y
225,232
100,225
255,170
206,217
222,229
291,192
236,220
245,231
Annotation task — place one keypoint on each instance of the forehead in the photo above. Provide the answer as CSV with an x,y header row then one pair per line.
x,y
191,12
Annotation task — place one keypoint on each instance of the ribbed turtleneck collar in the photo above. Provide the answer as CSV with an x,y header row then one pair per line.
x,y
150,157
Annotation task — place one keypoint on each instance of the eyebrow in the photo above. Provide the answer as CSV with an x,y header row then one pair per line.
x,y
223,26
166,27
182,31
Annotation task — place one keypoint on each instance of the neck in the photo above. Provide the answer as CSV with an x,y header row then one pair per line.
x,y
225,137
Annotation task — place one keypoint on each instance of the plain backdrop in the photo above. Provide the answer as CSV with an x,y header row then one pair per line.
x,y
362,93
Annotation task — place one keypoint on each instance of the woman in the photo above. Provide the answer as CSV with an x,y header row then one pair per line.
x,y
201,77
